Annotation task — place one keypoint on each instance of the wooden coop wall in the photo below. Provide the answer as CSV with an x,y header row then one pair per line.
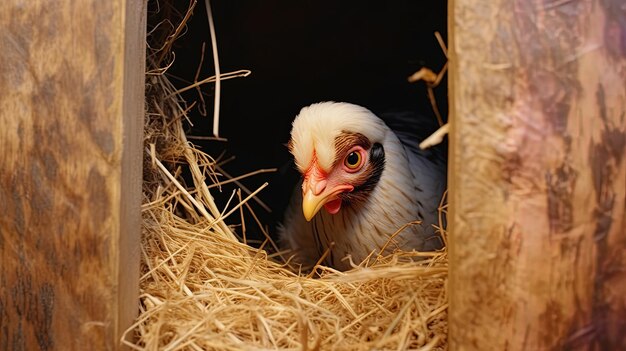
x,y
537,175
537,178
71,126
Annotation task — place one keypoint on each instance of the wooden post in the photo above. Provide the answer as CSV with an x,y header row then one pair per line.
x,y
71,124
538,175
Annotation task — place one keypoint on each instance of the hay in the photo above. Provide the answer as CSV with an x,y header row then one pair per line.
x,y
203,289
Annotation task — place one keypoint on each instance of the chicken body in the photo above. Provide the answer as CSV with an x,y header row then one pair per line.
x,y
363,207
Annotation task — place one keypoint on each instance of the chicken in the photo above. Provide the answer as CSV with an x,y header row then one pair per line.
x,y
360,184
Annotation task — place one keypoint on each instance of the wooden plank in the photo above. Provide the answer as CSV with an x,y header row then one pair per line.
x,y
538,175
71,124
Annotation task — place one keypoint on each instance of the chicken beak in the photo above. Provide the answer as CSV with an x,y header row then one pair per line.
x,y
320,190
312,204
314,194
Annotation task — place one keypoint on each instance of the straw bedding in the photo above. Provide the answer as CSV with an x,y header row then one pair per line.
x,y
203,289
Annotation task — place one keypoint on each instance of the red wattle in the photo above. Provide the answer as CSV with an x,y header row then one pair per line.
x,y
333,206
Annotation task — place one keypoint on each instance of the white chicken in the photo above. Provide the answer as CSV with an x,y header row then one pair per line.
x,y
368,183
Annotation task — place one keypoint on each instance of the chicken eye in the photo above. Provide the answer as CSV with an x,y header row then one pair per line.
x,y
353,160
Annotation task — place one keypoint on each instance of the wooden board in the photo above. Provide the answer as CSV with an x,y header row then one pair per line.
x,y
538,175
71,124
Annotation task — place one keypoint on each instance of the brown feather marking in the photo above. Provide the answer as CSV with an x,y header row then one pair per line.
x,y
318,238
387,216
347,140
330,259
404,194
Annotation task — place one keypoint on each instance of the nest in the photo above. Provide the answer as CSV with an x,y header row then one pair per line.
x,y
202,288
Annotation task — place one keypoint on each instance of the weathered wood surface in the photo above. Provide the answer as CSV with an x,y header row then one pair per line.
x,y
538,175
71,123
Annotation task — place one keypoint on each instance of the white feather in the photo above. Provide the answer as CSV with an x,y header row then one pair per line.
x,y
317,126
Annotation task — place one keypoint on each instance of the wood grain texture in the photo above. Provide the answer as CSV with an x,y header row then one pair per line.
x,y
71,124
538,175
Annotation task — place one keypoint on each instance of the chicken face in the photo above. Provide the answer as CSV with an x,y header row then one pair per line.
x,y
322,189
355,170
337,150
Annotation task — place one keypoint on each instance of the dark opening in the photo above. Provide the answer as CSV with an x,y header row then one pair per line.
x,y
301,52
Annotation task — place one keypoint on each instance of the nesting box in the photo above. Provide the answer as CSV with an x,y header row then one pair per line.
x,y
537,175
